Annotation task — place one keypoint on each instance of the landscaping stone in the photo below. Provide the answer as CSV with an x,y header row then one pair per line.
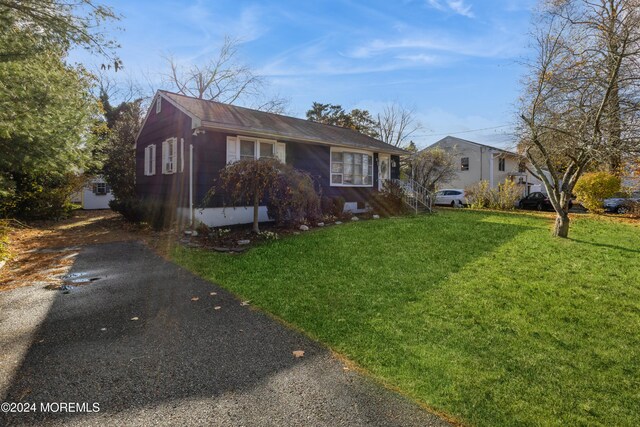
x,y
194,233
244,242
376,217
338,222
321,224
304,228
221,249
187,232
355,218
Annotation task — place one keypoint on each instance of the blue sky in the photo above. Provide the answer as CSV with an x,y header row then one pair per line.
x,y
455,61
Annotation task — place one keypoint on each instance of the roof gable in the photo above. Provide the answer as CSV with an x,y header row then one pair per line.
x,y
459,141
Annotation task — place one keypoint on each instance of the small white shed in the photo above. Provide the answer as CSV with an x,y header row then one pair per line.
x,y
96,194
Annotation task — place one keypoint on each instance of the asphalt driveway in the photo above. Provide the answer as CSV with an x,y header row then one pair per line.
x,y
188,358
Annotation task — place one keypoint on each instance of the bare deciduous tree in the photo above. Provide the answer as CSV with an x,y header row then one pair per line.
x,y
580,104
224,79
396,124
431,168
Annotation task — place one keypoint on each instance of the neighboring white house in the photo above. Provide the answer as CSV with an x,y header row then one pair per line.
x,y
96,194
478,162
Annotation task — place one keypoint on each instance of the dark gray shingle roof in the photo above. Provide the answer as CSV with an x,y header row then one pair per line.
x,y
230,117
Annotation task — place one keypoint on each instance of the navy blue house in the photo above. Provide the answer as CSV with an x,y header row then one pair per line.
x,y
184,143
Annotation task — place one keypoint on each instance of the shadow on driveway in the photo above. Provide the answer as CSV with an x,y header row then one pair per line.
x,y
182,362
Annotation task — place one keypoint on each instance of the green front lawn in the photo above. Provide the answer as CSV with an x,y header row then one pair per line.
x,y
481,315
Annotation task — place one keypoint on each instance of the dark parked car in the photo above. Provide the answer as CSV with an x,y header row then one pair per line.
x,y
621,203
538,201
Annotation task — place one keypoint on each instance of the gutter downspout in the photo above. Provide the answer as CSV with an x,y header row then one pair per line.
x,y
191,219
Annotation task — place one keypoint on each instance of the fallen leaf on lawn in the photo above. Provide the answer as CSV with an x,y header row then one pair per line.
x,y
195,298
213,293
245,302
217,307
298,353
134,318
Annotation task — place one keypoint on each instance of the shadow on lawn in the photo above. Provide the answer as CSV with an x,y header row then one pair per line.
x,y
605,245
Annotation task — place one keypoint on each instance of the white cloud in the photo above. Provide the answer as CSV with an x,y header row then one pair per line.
x,y
485,47
459,7
456,6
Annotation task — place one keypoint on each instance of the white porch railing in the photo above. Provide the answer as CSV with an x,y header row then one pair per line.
x,y
416,196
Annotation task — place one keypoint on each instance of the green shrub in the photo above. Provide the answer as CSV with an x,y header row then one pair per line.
x,y
39,196
592,188
390,201
156,213
133,210
4,239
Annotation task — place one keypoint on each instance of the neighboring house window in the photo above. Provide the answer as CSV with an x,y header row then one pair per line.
x,y
169,155
351,169
501,165
242,148
158,105
100,188
150,160
464,164
522,168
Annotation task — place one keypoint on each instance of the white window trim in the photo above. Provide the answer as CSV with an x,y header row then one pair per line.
x,y
354,151
172,168
236,140
150,160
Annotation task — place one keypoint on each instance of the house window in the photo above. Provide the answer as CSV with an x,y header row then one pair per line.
x,y
351,169
501,165
169,155
100,188
158,105
150,160
266,149
522,168
464,164
247,150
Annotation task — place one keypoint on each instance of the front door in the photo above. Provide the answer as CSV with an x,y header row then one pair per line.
x,y
384,169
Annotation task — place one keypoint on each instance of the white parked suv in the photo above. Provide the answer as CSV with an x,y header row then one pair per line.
x,y
454,197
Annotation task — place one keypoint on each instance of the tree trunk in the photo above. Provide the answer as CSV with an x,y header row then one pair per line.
x,y
256,207
562,225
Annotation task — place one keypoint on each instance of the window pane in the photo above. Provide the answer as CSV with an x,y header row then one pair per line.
x,y
367,180
336,167
464,163
247,149
357,159
336,157
336,179
266,149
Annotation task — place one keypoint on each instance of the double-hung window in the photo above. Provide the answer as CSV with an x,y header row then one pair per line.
x,y
100,188
169,155
501,164
351,169
246,148
464,164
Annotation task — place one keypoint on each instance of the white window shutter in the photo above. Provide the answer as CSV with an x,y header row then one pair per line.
x,y
153,159
146,161
232,149
281,152
165,155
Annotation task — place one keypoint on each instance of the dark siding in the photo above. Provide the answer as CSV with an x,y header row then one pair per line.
x,y
171,189
315,159
210,156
